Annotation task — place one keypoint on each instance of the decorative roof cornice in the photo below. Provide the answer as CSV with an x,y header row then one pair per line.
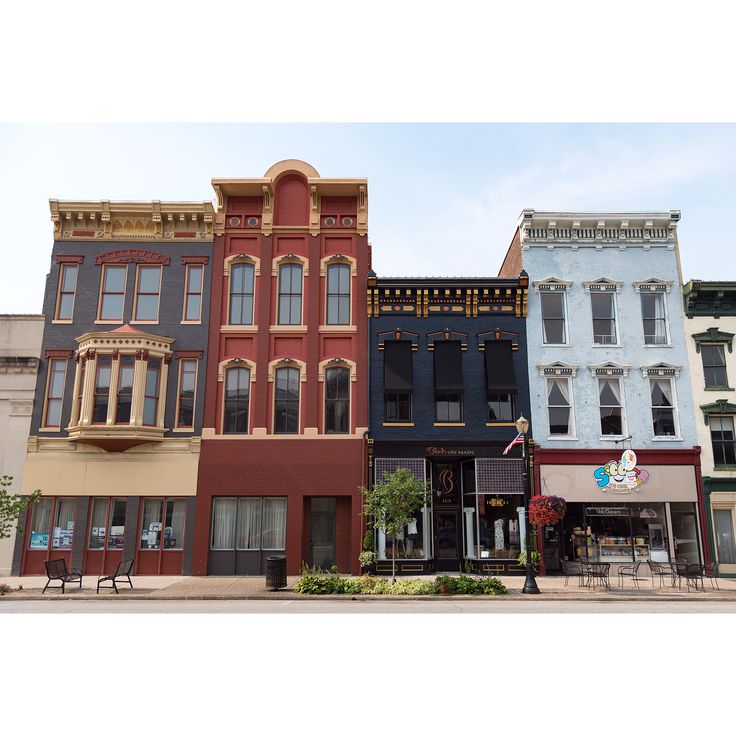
x,y
125,221
710,298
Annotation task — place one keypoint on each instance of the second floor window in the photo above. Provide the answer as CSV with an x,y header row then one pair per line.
x,y
102,389
611,408
125,389
604,317
554,331
654,317
338,294
286,406
290,294
559,407
67,292
337,400
448,381
663,408
500,380
112,298
151,394
147,293
237,399
397,381
241,294
714,366
193,294
55,392
723,440
186,394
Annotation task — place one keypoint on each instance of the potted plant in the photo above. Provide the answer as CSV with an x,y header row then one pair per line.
x,y
546,510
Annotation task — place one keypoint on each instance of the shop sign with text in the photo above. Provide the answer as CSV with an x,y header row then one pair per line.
x,y
621,476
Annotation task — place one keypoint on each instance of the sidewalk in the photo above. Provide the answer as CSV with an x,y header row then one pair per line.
x,y
254,588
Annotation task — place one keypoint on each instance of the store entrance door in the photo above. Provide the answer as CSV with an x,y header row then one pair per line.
x,y
322,532
685,535
446,541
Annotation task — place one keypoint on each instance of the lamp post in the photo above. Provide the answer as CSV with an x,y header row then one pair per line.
x,y
530,584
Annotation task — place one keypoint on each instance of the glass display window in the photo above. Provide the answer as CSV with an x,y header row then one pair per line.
x,y
498,528
412,543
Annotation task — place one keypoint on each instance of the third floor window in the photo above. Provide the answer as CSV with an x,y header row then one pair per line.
x,y
241,294
554,331
654,317
112,293
148,290
603,304
67,292
290,294
338,294
714,366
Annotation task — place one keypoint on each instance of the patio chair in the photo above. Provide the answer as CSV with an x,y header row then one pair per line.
x,y
600,571
679,571
56,570
694,573
629,571
572,570
661,571
123,571
711,572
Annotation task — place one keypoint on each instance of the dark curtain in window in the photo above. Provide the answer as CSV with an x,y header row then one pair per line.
x,y
500,374
397,373
448,366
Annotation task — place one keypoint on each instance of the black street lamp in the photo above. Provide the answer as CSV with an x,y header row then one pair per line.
x,y
530,584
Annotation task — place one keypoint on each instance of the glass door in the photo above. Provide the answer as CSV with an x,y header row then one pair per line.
x,y
685,534
322,524
446,535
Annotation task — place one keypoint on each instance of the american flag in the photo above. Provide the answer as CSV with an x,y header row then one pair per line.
x,y
518,440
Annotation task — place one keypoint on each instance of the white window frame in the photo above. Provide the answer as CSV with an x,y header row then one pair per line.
x,y
668,337
613,294
675,411
563,292
571,427
624,424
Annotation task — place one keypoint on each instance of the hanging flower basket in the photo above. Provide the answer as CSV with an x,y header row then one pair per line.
x,y
546,510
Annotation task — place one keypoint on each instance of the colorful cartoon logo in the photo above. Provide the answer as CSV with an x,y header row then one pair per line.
x,y
621,476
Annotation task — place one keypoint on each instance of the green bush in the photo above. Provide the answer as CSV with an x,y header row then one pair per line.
x,y
368,542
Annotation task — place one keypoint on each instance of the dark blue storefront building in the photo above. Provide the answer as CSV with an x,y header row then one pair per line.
x,y
448,379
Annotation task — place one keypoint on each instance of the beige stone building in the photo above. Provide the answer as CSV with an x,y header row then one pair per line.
x,y
20,347
710,308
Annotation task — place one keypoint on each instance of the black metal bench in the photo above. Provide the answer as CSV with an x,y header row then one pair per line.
x,y
123,571
56,570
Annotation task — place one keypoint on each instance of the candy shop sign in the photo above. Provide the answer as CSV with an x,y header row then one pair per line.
x,y
621,476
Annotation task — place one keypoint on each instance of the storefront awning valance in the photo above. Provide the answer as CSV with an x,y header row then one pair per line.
x,y
397,373
448,366
500,366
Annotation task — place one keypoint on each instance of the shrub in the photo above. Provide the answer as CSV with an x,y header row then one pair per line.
x,y
367,559
4,589
368,542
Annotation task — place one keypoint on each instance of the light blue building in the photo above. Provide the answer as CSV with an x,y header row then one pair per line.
x,y
608,372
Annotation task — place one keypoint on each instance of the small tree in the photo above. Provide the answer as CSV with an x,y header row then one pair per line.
x,y
392,503
12,506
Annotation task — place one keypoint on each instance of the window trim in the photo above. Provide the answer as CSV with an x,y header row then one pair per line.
x,y
624,419
101,294
571,425
616,326
279,323
719,386
177,426
563,292
675,411
338,366
136,293
229,322
732,417
277,368
188,293
59,292
668,335
44,424
343,262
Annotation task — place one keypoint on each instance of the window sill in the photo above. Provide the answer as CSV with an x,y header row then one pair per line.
x,y
607,345
449,424
143,322
561,438
183,429
398,424
724,467
611,437
649,346
287,328
191,322
500,424
49,429
238,328
718,388
338,328
62,321
667,439
108,321
556,345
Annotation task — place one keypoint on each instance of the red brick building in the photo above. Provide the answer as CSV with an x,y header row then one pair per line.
x,y
282,455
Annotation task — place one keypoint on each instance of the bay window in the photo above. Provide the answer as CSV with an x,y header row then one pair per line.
x,y
151,394
101,397
125,389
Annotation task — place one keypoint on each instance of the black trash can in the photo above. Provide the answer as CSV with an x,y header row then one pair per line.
x,y
276,572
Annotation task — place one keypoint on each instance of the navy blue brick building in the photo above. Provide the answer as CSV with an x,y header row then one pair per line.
x,y
448,379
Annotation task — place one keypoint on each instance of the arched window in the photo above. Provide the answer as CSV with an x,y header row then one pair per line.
x,y
286,401
290,294
237,399
338,294
241,293
337,400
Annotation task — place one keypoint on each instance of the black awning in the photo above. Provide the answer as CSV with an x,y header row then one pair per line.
x,y
448,366
500,366
397,375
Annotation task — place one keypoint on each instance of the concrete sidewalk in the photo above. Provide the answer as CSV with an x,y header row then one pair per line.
x,y
254,588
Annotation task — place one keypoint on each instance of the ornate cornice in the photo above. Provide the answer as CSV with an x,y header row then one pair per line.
x,y
660,370
152,221
713,335
721,406
558,368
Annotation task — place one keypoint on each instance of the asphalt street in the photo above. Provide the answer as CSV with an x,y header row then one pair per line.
x,y
365,606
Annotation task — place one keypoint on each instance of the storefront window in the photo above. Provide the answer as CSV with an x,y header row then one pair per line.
x,y
107,512
412,542
64,523
498,526
176,510
723,529
248,524
41,524
151,524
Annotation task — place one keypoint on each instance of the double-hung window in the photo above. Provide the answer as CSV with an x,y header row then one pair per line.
x,y
714,366
55,393
151,394
611,406
338,294
101,397
398,381
654,316
148,291
193,293
559,407
448,381
723,440
290,294
500,380
337,400
125,389
286,404
242,277
112,293
664,421
603,305
186,393
237,396
67,292
554,329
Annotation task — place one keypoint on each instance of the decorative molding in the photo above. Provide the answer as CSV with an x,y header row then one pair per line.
x,y
223,365
195,260
660,370
236,258
551,284
653,284
720,406
337,363
60,258
287,363
133,255
497,334
398,334
337,259
603,284
558,368
713,335
58,354
446,335
303,261
198,354
609,368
